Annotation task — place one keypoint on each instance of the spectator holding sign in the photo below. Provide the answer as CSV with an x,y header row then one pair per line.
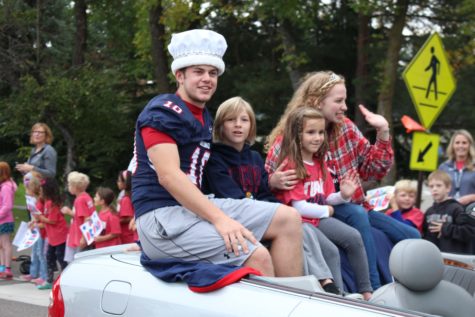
x,y
111,233
83,208
38,268
31,181
402,204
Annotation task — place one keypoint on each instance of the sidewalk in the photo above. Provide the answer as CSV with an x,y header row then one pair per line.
x,y
20,291
25,292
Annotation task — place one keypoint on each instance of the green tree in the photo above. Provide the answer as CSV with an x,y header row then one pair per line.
x,y
86,104
76,64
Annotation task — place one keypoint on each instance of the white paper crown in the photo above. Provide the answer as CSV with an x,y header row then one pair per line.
x,y
197,47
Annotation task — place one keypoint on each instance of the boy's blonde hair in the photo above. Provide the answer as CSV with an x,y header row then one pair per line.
x,y
439,175
78,180
405,185
229,109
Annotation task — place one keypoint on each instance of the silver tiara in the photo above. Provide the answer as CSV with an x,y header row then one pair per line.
x,y
333,78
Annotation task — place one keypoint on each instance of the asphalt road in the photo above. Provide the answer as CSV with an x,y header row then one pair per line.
x,y
11,308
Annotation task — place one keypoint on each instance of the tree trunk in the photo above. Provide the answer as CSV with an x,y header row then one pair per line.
x,y
68,138
80,38
79,52
159,56
290,49
38,32
389,76
361,82
36,69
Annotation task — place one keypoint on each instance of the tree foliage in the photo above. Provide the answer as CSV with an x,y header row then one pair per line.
x,y
92,105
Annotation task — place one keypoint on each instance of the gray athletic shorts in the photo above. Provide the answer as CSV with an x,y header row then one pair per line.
x,y
175,232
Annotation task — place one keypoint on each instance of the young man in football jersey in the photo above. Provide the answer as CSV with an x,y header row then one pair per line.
x,y
172,145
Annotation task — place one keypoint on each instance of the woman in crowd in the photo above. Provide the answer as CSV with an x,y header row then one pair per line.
x,y
461,168
43,156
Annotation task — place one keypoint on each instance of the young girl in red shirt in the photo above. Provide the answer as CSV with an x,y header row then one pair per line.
x,y
125,207
55,226
304,147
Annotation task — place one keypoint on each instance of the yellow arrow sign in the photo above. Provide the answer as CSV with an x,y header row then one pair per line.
x,y
424,153
429,80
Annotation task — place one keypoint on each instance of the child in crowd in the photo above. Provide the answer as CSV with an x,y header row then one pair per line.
x,y
124,206
236,171
7,223
304,147
445,222
38,267
402,204
55,226
111,234
83,208
31,182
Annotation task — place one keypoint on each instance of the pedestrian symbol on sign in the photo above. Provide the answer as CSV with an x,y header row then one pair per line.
x,y
434,66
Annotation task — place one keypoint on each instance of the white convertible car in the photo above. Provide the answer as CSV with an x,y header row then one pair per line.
x,y
112,282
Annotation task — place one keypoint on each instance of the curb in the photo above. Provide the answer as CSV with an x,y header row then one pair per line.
x,y
25,292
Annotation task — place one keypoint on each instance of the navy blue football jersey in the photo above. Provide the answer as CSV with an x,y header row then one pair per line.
x,y
169,114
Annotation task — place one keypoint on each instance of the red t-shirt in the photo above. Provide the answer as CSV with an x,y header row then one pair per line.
x,y
460,165
313,189
58,231
126,210
83,208
414,215
112,221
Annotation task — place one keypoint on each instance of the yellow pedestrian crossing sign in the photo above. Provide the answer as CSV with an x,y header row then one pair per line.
x,y
429,79
425,152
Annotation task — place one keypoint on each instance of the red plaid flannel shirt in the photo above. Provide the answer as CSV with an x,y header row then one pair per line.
x,y
351,151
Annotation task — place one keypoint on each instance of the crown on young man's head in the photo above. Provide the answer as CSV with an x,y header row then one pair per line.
x,y
197,47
